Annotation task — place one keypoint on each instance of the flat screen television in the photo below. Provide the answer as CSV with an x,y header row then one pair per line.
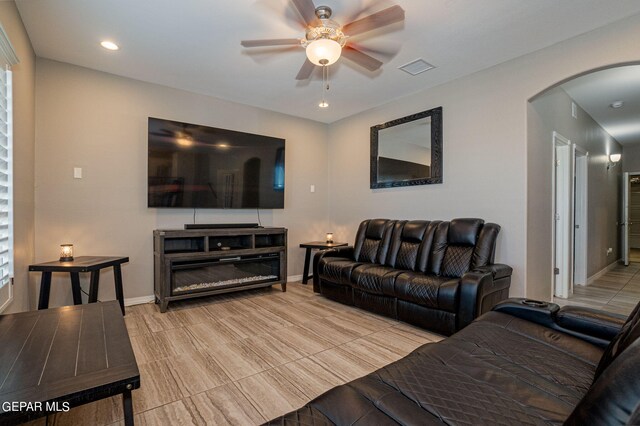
x,y
195,166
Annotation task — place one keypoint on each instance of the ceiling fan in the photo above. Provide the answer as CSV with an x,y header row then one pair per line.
x,y
325,40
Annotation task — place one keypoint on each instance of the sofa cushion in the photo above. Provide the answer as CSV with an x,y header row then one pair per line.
x,y
453,247
373,240
336,269
410,245
374,279
427,290
457,261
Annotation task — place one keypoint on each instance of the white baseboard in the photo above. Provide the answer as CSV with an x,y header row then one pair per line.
x,y
294,278
600,273
138,300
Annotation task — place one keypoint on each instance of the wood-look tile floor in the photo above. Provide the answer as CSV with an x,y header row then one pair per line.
x,y
245,358
617,291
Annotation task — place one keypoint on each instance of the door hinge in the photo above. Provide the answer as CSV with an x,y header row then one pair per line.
x,y
556,271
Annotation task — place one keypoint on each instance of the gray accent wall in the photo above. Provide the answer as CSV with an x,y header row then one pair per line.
x,y
492,169
552,112
98,121
631,158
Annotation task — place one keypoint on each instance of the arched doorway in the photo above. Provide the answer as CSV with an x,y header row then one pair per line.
x,y
597,114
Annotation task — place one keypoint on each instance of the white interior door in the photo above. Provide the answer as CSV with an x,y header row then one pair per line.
x,y
581,161
625,218
563,214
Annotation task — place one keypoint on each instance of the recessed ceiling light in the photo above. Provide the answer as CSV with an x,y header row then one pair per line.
x,y
617,104
109,45
324,104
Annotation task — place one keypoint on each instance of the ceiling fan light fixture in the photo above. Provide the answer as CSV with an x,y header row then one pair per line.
x,y
323,104
324,52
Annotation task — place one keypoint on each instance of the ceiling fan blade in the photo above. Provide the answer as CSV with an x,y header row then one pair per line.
x,y
306,70
270,42
373,5
385,17
385,52
362,59
306,9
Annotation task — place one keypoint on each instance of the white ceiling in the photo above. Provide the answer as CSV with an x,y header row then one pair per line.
x,y
597,91
195,44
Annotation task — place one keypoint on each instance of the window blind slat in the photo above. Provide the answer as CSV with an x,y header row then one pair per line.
x,y
6,171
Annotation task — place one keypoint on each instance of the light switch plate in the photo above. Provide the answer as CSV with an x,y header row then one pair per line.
x,y
312,188
77,172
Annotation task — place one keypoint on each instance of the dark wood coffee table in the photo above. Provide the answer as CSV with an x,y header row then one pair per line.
x,y
318,245
69,355
91,264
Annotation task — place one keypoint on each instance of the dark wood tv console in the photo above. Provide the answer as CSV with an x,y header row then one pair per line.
x,y
203,262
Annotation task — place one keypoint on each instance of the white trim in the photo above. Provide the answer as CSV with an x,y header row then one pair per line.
x,y
294,278
600,273
138,300
6,49
580,258
557,140
9,288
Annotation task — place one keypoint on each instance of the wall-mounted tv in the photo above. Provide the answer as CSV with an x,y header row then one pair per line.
x,y
195,166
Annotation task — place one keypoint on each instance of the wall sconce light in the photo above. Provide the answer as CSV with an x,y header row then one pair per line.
x,y
66,252
329,237
614,159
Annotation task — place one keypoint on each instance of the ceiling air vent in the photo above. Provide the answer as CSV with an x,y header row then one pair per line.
x,y
416,67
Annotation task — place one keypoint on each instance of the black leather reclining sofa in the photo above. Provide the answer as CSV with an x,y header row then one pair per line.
x,y
516,365
435,274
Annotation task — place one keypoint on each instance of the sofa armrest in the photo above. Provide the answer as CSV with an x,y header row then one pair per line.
x,y
592,322
345,251
477,285
543,313
497,270
594,326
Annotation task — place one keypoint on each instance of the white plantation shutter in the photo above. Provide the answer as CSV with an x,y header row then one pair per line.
x,y
6,205
7,58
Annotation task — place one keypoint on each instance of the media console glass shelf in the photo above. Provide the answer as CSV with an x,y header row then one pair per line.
x,y
202,262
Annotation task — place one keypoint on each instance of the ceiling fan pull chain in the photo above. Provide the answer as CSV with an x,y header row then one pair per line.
x,y
327,84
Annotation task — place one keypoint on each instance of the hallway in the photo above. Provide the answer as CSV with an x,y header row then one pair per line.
x,y
617,291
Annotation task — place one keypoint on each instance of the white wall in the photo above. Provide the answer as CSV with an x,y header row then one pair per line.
x,y
98,121
24,75
490,169
552,112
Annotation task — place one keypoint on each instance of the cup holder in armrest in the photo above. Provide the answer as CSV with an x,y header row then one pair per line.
x,y
535,303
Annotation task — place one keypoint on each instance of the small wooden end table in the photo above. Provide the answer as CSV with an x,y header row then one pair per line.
x,y
91,264
60,358
318,245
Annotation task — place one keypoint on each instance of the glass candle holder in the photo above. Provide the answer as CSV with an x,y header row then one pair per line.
x,y
329,237
66,252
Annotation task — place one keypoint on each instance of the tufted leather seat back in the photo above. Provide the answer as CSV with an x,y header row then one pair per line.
x,y
613,397
410,244
373,240
629,333
454,246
